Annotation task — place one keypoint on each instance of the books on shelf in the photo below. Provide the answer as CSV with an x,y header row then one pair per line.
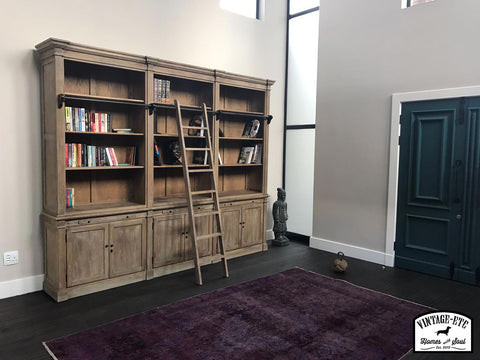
x,y
251,128
257,154
83,155
79,119
70,197
122,131
246,154
161,90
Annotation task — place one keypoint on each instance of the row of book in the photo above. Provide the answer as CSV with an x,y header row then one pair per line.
x,y
83,155
161,90
70,197
251,154
78,119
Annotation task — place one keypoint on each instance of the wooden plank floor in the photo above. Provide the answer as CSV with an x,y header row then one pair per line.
x,y
27,320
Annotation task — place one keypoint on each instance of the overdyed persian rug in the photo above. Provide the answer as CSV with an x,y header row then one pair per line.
x,y
295,314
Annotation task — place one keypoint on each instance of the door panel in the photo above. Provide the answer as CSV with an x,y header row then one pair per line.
x,y
127,255
427,227
438,188
252,219
87,254
168,240
231,218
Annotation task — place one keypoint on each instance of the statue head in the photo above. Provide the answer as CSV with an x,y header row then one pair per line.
x,y
281,194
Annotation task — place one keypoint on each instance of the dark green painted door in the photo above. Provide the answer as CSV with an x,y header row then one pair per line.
x,y
438,195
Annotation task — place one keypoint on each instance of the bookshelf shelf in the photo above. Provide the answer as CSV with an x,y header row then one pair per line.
x,y
94,133
104,207
129,223
239,165
238,138
90,168
240,113
62,98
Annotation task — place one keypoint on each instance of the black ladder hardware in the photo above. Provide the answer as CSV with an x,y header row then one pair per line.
x,y
203,133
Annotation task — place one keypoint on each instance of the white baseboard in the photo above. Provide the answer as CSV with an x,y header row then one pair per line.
x,y
270,235
21,286
352,251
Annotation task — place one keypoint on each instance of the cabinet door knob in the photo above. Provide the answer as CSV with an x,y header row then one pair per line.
x,y
459,217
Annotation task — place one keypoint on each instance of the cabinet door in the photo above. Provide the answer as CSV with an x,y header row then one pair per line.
x,y
202,227
127,247
87,254
231,228
168,239
252,224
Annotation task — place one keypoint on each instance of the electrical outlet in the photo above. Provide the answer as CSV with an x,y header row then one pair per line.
x,y
10,257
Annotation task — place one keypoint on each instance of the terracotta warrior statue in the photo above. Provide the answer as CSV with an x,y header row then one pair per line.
x,y
280,217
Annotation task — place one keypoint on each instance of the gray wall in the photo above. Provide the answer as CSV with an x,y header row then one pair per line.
x,y
369,50
189,31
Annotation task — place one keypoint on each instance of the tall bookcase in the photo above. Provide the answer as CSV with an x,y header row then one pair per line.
x,y
129,223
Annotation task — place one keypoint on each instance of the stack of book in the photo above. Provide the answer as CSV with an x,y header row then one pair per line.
x,y
161,90
70,200
79,119
83,155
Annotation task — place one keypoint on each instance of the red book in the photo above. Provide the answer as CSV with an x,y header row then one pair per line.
x,y
66,155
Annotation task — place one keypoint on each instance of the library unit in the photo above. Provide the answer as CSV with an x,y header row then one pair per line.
x,y
114,202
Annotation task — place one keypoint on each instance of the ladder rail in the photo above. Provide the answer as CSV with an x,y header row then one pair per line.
x,y
215,195
186,178
212,171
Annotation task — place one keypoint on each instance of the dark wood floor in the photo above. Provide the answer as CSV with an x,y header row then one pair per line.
x,y
27,320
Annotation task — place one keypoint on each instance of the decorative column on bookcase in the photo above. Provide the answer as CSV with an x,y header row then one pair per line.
x,y
149,136
266,132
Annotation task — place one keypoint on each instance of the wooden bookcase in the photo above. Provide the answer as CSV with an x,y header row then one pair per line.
x,y
129,223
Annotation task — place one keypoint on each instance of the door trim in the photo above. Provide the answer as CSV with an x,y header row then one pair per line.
x,y
397,100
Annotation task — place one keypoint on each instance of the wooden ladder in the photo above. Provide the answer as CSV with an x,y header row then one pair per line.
x,y
211,171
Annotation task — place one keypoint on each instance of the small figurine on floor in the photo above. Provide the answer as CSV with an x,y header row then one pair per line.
x,y
280,217
340,264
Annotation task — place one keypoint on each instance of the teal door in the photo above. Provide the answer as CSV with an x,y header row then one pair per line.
x,y
438,225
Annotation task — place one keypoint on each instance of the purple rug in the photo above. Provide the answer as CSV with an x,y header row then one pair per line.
x,y
295,314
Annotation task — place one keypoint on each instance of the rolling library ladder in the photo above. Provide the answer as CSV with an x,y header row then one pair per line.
x,y
204,132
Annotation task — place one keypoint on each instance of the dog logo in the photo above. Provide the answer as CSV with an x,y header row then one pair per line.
x,y
442,331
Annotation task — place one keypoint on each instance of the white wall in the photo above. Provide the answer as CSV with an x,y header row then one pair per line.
x,y
188,31
369,50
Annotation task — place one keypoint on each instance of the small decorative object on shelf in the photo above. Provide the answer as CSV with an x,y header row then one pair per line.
x,y
340,264
174,156
280,217
251,128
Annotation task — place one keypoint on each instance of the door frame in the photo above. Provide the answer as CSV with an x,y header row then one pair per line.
x,y
392,192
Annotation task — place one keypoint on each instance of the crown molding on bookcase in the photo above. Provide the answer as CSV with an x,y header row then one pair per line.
x,y
167,67
59,47
21,286
228,78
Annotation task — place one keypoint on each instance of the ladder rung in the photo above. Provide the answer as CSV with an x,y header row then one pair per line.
x,y
207,236
198,149
195,127
200,192
207,213
200,170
